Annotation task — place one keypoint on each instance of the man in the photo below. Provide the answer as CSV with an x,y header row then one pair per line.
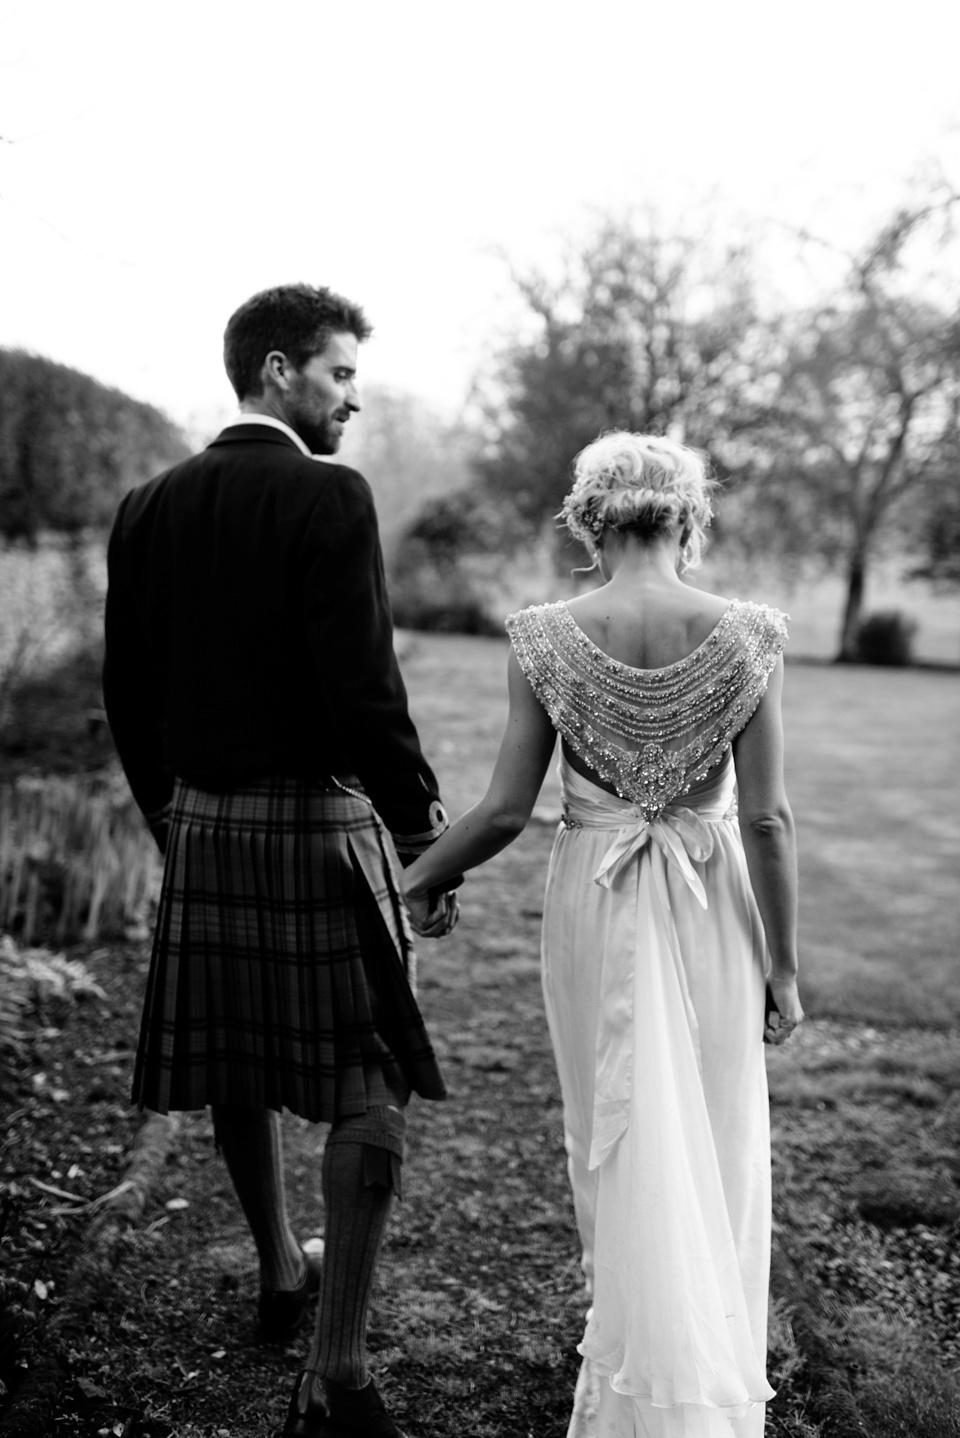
x,y
257,706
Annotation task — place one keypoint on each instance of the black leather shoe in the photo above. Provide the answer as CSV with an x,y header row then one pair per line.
x,y
281,1311
340,1413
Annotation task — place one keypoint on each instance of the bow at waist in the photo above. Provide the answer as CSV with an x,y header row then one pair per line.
x,y
683,831
682,835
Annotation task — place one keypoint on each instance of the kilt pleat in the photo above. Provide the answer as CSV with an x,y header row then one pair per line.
x,y
282,968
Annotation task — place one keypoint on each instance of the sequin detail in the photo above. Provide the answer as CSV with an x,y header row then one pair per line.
x,y
650,733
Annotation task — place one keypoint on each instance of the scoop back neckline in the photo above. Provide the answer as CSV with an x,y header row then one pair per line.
x,y
662,668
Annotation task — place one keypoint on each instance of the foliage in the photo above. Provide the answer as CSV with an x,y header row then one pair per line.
x,y
13,1004
51,603
408,453
835,428
45,982
54,721
939,533
900,1392
70,447
639,332
448,568
857,440
35,982
466,522
75,858
441,604
467,562
885,638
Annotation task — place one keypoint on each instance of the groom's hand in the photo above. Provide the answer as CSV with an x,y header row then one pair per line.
x,y
435,914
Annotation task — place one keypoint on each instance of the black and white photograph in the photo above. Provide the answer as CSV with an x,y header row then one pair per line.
x,y
479,719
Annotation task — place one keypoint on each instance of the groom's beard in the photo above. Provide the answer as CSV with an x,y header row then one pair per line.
x,y
321,434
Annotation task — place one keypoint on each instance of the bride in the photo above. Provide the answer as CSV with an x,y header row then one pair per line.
x,y
668,916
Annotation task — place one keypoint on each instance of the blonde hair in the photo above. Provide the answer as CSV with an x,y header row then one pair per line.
x,y
642,484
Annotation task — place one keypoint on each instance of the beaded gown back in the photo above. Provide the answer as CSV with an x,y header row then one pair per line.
x,y
651,733
653,968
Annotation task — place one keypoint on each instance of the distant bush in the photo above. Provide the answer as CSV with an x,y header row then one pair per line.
x,y
52,721
76,860
432,602
70,447
432,583
886,638
466,562
51,604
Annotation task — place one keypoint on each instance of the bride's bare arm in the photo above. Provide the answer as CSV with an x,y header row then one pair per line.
x,y
502,813
769,842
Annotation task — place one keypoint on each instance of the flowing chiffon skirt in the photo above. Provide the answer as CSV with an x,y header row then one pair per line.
x,y
653,968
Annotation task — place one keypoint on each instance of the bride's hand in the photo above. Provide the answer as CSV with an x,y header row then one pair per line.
x,y
433,916
786,1014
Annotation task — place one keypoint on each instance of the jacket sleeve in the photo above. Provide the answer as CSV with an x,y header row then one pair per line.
x,y
132,693
350,637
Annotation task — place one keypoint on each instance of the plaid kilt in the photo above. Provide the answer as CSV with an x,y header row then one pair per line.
x,y
282,967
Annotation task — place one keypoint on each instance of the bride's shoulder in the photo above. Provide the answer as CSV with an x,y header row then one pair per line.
x,y
758,628
535,616
755,612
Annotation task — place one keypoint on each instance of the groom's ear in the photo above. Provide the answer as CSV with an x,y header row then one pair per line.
x,y
275,372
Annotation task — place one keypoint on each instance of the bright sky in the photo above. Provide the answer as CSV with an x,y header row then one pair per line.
x,y
169,159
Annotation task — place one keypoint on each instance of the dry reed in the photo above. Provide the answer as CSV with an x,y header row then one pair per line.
x,y
76,860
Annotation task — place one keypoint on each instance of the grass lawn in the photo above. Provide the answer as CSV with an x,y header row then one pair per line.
x,y
873,773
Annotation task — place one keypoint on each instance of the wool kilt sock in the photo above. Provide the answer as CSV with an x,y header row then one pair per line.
x,y
358,1188
249,1139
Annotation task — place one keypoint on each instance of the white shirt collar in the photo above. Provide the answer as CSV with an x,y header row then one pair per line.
x,y
274,424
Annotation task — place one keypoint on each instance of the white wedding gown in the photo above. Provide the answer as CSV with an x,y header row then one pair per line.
x,y
653,969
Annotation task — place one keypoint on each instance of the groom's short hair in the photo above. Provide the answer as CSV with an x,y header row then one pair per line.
x,y
298,320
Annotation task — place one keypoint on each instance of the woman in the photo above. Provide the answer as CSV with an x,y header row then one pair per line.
x,y
664,914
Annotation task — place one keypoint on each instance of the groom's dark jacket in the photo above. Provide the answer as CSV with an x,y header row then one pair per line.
x,y
248,633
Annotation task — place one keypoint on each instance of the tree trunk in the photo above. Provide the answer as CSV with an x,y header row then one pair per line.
x,y
856,580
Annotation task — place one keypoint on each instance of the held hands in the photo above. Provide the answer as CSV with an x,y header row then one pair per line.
x,y
433,911
434,914
783,1011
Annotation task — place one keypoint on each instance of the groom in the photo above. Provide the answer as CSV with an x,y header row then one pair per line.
x,y
257,707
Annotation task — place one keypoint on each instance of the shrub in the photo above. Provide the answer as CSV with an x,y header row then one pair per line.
x,y
886,638
441,600
466,563
75,859
35,984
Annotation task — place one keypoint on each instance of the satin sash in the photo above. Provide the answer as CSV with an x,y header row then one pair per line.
x,y
682,835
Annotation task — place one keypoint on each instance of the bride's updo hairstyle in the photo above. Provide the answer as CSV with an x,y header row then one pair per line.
x,y
640,484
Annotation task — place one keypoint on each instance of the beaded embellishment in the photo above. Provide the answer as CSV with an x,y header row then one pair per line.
x,y
650,733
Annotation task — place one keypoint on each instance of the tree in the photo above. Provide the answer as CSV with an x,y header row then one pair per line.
x,y
854,444
408,453
70,447
938,540
640,332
